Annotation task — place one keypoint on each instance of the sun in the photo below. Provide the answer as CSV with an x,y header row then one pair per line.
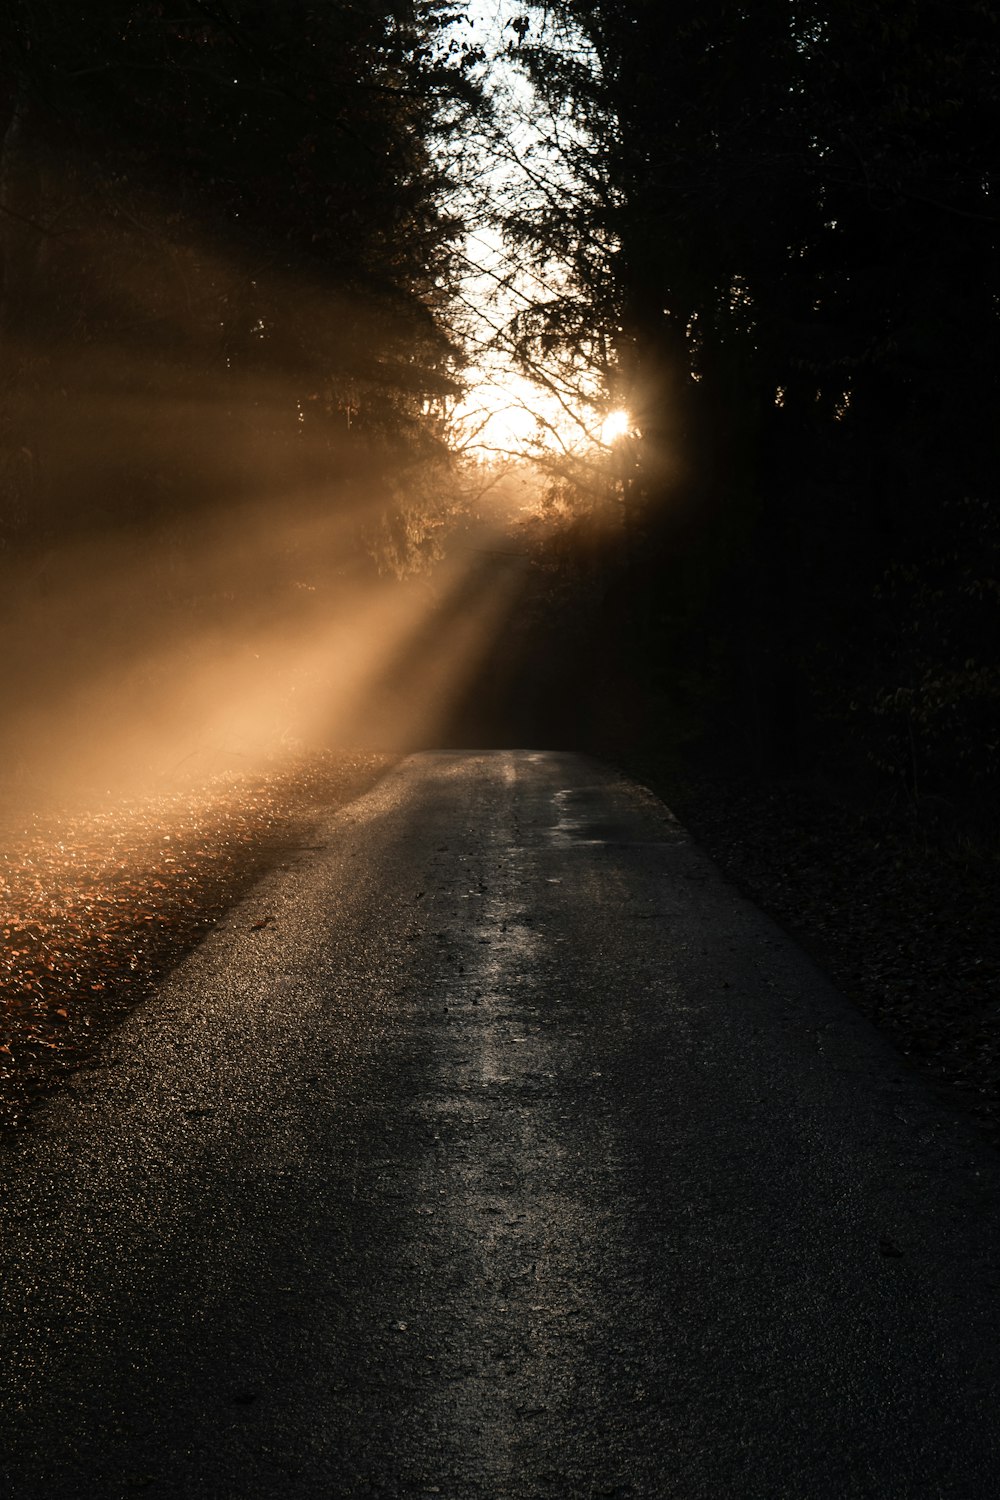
x,y
616,424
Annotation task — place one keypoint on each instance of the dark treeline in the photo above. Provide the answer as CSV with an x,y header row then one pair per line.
x,y
787,221
225,347
229,203
228,278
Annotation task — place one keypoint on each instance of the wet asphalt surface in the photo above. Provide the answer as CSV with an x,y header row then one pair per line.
x,y
497,1148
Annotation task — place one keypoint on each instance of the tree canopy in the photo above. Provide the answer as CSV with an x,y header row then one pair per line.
x,y
784,217
230,275
226,346
229,199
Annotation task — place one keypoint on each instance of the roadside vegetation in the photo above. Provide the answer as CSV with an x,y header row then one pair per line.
x,y
99,904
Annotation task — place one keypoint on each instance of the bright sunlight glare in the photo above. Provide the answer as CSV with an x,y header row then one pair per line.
x,y
508,415
616,425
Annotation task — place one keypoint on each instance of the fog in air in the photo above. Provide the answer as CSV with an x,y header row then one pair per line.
x,y
233,522
288,301
228,569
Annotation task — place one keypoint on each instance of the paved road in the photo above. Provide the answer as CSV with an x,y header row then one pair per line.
x,y
514,1156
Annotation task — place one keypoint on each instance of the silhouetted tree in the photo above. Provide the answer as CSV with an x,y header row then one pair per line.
x,y
785,220
229,204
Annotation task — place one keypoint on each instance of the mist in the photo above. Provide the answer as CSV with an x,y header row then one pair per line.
x,y
221,578
209,561
235,520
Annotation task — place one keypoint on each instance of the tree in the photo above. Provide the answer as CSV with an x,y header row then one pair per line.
x,y
784,223
199,180
225,319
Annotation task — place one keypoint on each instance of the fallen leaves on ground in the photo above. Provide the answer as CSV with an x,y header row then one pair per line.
x,y
904,924
95,906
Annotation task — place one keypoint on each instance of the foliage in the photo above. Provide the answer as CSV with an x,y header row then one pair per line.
x,y
936,697
227,219
783,221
